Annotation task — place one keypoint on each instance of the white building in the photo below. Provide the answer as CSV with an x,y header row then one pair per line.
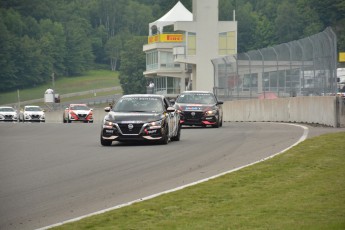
x,y
181,58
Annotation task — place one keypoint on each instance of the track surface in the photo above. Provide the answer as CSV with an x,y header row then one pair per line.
x,y
54,172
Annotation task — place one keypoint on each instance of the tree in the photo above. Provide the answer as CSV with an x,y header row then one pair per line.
x,y
79,56
132,67
288,24
8,44
246,28
52,41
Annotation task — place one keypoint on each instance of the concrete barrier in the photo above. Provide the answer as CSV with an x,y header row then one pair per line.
x,y
318,110
325,110
57,116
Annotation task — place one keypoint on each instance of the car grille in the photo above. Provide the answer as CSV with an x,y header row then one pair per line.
x,y
8,116
35,116
127,131
197,115
82,116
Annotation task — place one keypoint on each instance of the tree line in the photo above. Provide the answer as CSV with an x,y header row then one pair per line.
x,y
68,37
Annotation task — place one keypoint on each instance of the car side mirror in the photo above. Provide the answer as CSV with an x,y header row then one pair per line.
x,y
170,109
220,103
107,109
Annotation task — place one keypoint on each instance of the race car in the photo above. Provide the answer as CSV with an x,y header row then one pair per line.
x,y
8,113
32,113
199,108
78,113
141,117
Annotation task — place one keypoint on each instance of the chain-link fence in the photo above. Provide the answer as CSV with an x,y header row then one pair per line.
x,y
303,67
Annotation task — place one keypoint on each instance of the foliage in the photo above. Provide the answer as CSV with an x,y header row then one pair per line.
x,y
132,66
68,37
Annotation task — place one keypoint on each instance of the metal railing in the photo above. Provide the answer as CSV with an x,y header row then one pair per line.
x,y
298,68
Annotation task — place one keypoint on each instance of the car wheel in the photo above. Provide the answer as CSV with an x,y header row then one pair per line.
x,y
165,136
68,120
178,135
221,123
105,142
63,120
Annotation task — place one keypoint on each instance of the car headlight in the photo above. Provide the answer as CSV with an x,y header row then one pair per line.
x,y
211,112
155,124
107,123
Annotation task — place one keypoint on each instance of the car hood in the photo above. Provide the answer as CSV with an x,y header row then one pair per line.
x,y
194,107
8,113
34,112
81,111
119,117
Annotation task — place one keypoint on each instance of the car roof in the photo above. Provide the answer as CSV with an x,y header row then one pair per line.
x,y
144,95
192,92
31,106
77,104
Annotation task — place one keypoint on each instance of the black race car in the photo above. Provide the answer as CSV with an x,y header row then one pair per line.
x,y
199,108
140,117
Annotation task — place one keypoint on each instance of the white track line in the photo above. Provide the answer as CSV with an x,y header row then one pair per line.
x,y
303,137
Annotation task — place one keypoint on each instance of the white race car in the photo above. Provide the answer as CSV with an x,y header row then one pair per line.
x,y
8,113
32,113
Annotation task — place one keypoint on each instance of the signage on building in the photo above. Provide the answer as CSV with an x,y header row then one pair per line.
x,y
165,38
342,57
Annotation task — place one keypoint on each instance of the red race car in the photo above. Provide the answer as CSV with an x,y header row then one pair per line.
x,y
78,112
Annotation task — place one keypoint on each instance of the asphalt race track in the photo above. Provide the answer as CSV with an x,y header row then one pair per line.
x,y
53,172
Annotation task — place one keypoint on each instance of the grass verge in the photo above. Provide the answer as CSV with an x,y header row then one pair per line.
x,y
95,79
303,188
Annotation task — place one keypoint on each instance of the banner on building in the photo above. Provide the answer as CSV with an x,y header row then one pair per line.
x,y
165,38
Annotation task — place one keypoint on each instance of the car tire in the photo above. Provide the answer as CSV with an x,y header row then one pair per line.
x,y
68,120
165,136
178,135
105,142
217,124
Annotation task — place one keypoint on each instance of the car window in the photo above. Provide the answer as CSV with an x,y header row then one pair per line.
x,y
32,109
197,98
139,104
7,110
79,107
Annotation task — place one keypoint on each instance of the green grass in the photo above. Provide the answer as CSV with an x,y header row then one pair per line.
x,y
303,188
95,79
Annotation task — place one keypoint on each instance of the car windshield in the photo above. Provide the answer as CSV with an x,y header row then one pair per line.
x,y
79,107
7,110
196,98
139,104
32,109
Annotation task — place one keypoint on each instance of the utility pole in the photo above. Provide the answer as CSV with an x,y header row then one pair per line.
x,y
18,99
53,80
